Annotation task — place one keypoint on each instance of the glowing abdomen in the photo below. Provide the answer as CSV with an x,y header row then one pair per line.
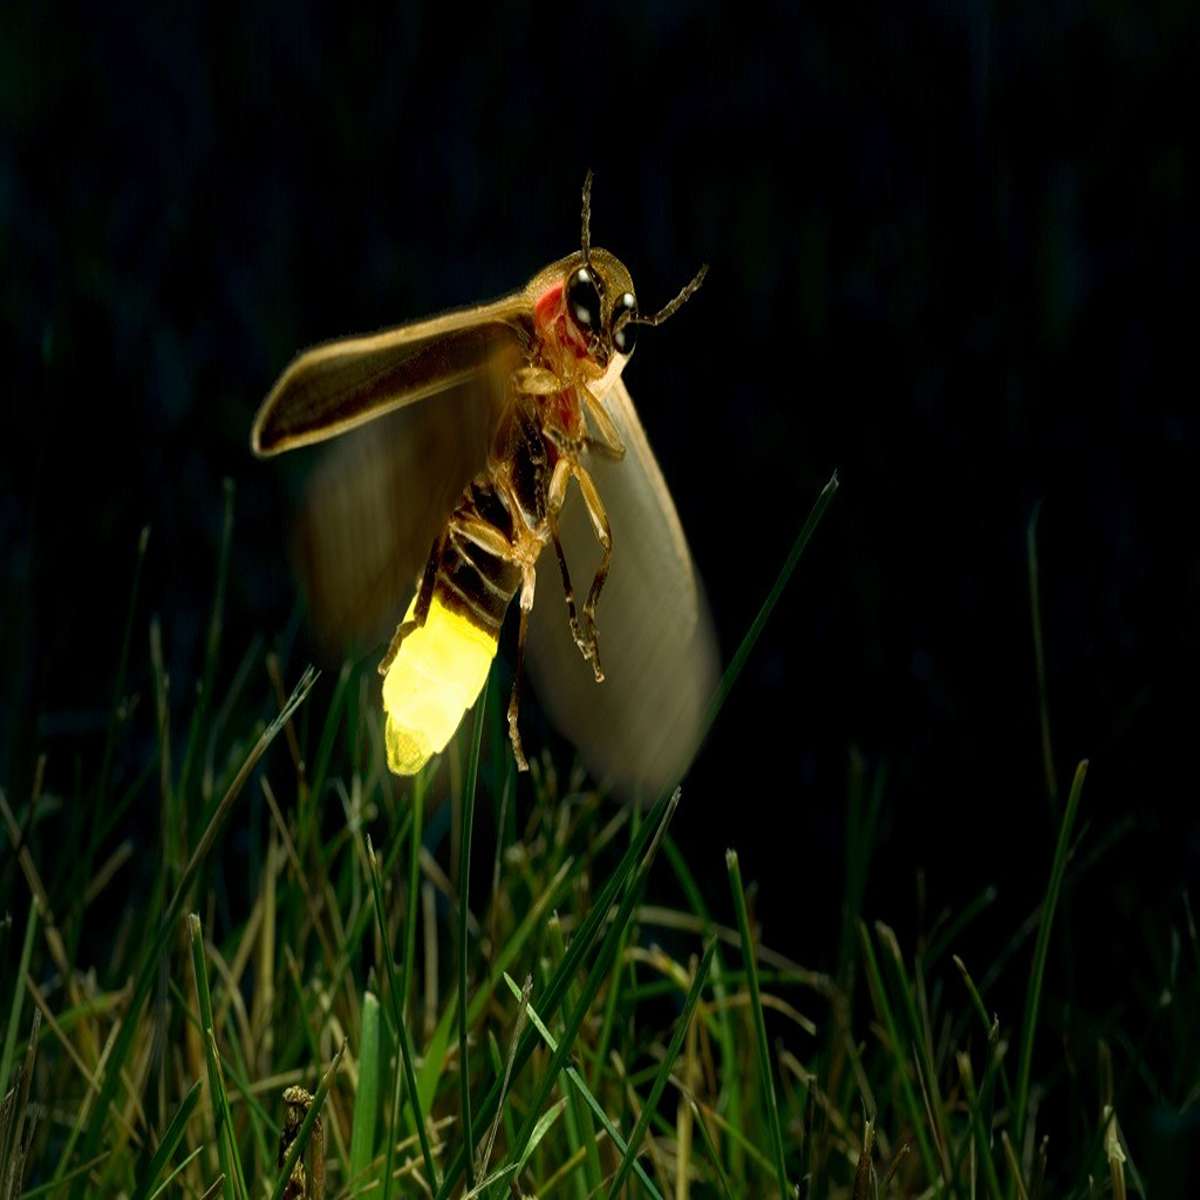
x,y
436,676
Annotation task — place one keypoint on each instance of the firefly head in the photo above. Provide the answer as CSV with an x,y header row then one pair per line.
x,y
599,298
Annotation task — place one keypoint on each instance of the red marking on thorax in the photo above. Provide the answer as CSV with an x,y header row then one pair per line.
x,y
547,307
550,321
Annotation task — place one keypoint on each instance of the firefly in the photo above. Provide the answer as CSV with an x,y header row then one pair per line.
x,y
497,432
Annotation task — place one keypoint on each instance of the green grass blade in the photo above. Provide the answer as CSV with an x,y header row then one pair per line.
x,y
329,736
178,1169
114,721
883,1007
750,957
51,1185
990,1028
581,1132
539,1131
399,1021
262,1118
393,1124
730,676
211,649
306,1126
435,1052
216,1085
414,887
18,997
731,1098
366,1099
581,1086
923,1052
955,929
464,899
713,1153
1039,656
664,1071
983,1145
366,913
1033,994
543,1126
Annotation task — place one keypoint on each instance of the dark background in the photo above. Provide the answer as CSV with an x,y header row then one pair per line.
x,y
953,253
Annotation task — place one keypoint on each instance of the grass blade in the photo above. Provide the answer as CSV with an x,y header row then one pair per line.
x,y
983,1145
1039,656
114,721
177,1170
413,906
1033,994
366,1099
883,1007
730,676
211,649
170,1142
581,1086
406,1054
223,1131
760,1028
45,1189
664,1070
18,997
435,1051
464,897
714,1154
581,1132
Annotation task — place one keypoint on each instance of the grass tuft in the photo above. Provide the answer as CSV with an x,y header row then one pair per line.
x,y
331,907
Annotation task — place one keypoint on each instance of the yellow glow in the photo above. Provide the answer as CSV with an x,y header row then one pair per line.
x,y
435,678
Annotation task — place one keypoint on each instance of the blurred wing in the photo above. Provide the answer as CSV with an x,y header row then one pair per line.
x,y
641,727
376,501
335,386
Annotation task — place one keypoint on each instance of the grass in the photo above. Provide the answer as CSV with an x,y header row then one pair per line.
x,y
159,1000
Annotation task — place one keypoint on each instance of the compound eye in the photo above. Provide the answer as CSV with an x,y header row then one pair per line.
x,y
583,300
624,331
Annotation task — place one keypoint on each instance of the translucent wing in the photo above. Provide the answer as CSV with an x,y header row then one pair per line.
x,y
641,727
377,499
338,385
380,495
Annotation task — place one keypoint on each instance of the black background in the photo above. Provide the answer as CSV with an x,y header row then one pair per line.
x,y
953,252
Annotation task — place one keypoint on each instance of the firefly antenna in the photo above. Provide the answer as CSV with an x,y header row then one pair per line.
x,y
672,306
586,241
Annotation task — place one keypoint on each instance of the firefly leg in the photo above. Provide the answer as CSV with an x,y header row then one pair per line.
x,y
569,592
598,446
604,536
555,496
514,732
609,442
421,611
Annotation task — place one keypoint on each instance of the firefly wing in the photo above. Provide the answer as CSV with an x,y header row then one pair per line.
x,y
338,385
374,504
638,730
377,499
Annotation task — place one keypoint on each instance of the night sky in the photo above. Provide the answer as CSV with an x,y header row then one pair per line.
x,y
952,256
